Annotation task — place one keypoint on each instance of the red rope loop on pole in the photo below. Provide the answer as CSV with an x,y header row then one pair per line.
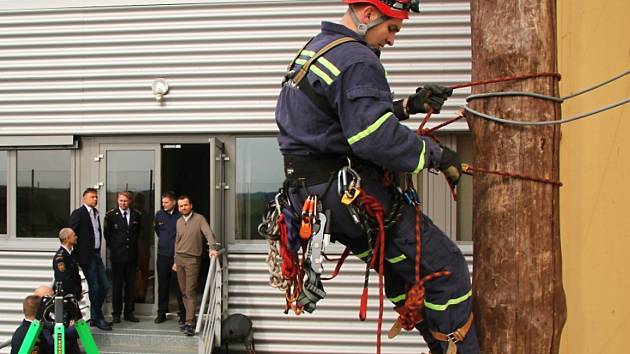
x,y
421,131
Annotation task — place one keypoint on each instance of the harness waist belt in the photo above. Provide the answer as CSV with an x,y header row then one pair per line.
x,y
312,169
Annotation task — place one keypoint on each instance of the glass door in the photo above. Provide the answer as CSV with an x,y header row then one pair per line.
x,y
133,168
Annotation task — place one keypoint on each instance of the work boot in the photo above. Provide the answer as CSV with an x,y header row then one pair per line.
x,y
116,318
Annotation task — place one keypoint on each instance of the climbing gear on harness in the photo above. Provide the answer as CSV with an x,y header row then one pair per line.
x,y
392,8
313,288
270,229
308,213
454,337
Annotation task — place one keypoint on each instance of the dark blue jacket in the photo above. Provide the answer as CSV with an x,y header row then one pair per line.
x,y
81,222
165,229
353,81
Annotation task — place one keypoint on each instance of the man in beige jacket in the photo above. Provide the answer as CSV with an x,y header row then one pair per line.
x,y
191,229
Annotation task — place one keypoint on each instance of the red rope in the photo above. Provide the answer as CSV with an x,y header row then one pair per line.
x,y
507,78
375,209
470,169
340,261
289,271
421,131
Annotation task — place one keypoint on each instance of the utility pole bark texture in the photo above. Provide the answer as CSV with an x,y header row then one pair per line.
x,y
519,299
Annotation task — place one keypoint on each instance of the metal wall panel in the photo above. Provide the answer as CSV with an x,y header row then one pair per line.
x,y
333,328
89,70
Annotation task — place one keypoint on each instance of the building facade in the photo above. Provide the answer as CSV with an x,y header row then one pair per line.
x,y
78,109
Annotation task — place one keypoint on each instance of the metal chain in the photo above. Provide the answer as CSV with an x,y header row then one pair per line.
x,y
276,279
270,229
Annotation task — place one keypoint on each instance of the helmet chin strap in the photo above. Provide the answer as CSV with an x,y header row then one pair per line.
x,y
362,28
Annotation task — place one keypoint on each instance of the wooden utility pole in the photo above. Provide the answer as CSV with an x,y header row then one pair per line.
x,y
519,298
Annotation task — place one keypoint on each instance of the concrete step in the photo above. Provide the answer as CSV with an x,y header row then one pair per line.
x,y
145,337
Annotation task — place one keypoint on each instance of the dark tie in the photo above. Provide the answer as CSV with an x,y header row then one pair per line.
x,y
125,218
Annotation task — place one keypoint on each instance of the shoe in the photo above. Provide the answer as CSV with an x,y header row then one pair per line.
x,y
161,317
131,317
103,325
116,318
189,330
181,321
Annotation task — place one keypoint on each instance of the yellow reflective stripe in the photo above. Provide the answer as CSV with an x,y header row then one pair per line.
x,y
398,298
436,307
364,254
323,61
421,159
395,260
328,65
371,129
322,75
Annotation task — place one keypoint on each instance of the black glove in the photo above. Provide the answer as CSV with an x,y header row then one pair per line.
x,y
451,166
429,96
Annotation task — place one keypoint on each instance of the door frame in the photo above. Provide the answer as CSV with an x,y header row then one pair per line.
x,y
103,147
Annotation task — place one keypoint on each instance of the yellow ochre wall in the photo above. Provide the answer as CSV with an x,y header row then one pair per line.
x,y
593,45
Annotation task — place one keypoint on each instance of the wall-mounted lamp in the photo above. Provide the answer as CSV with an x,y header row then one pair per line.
x,y
160,89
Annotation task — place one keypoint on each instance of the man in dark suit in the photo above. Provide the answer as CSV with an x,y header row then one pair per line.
x,y
65,264
85,222
122,230
30,306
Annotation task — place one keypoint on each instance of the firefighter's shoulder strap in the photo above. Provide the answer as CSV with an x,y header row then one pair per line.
x,y
304,86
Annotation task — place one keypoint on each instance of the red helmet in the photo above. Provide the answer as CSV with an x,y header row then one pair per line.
x,y
391,8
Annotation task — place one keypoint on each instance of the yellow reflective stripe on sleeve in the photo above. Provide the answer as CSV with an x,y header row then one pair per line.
x,y
364,254
421,159
328,65
398,298
459,300
307,53
300,61
398,259
322,75
371,129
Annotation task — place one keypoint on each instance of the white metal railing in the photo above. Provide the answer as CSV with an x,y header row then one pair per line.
x,y
209,318
5,344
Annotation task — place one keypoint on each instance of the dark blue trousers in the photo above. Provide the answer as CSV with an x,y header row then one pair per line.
x,y
448,300
98,285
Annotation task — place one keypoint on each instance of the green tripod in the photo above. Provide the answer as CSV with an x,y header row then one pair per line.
x,y
65,309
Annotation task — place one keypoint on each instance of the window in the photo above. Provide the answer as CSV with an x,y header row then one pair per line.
x,y
3,192
259,174
43,192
